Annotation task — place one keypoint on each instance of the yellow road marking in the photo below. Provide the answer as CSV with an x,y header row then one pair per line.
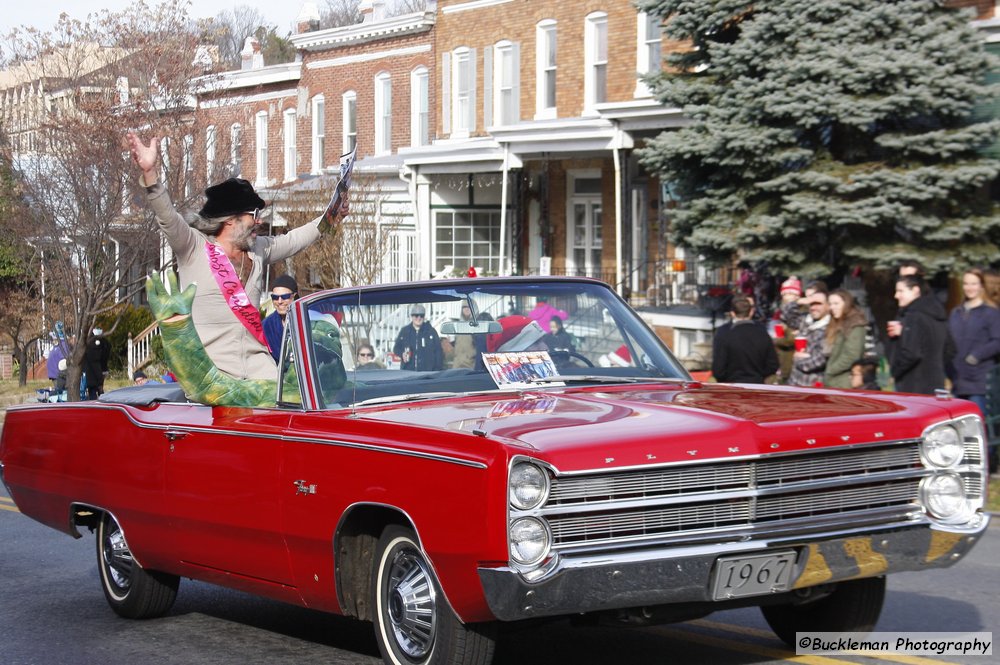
x,y
3,498
757,649
12,509
757,632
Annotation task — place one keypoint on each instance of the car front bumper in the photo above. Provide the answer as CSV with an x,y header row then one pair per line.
x,y
684,574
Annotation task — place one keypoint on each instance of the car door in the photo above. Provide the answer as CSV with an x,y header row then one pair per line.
x,y
222,493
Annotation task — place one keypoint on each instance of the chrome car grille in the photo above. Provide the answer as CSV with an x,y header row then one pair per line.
x,y
737,499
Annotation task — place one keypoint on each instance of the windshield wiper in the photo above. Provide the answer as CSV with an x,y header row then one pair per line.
x,y
589,378
389,399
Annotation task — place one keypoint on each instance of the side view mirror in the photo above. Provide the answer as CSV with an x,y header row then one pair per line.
x,y
470,327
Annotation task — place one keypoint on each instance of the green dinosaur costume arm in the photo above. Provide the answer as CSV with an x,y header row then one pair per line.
x,y
185,354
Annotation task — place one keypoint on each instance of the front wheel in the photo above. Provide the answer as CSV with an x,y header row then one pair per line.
x,y
131,591
852,607
414,624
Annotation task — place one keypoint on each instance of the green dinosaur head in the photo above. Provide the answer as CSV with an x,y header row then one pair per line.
x,y
328,349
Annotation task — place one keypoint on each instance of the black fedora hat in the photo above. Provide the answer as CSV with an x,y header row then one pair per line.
x,y
230,197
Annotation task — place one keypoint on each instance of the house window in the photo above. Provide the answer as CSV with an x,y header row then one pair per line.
x,y
545,76
236,149
506,82
419,107
350,121
261,147
401,257
188,162
210,145
584,235
465,238
648,50
290,154
383,113
464,82
595,44
164,159
318,133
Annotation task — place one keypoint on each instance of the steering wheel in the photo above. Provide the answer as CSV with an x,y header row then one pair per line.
x,y
558,355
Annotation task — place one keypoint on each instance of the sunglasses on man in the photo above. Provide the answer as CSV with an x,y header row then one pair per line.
x,y
256,213
282,296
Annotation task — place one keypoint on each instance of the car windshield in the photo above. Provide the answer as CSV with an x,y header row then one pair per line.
x,y
386,344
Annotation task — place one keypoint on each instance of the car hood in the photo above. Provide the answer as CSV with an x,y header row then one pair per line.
x,y
632,425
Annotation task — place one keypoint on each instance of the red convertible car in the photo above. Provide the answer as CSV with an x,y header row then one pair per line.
x,y
495,466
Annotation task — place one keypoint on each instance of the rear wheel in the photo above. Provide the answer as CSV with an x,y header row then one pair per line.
x,y
852,607
131,591
414,624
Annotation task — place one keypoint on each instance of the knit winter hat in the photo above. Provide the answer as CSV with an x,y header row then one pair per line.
x,y
791,285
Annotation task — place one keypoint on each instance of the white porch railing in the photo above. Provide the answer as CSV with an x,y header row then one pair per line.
x,y
139,347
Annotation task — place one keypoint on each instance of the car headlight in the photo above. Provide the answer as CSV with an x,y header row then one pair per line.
x,y
943,494
529,486
529,540
942,447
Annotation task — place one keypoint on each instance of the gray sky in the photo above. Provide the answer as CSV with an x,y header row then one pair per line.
x,y
43,14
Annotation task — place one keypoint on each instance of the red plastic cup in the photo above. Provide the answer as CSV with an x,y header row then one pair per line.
x,y
779,330
800,343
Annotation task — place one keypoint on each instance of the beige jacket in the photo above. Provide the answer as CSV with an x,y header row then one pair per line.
x,y
229,344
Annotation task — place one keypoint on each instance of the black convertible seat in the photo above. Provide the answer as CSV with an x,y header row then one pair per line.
x,y
145,395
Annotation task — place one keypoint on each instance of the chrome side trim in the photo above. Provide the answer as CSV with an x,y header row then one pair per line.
x,y
392,451
177,427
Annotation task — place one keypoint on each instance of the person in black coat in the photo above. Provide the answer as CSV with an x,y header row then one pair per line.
x,y
95,363
919,343
743,351
418,344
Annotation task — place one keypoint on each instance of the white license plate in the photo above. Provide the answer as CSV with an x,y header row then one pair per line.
x,y
741,576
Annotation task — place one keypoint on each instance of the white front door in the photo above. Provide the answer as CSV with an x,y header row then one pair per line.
x,y
584,235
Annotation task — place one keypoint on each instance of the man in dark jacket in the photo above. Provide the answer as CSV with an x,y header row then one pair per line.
x,y
95,363
418,344
743,352
919,343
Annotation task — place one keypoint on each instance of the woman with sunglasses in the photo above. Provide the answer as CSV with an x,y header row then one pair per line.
x,y
366,359
221,251
283,291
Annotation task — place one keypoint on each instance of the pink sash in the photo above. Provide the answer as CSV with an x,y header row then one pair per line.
x,y
233,291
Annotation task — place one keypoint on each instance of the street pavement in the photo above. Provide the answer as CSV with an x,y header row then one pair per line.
x,y
52,611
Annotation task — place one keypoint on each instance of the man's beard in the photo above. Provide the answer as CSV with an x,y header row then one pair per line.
x,y
244,240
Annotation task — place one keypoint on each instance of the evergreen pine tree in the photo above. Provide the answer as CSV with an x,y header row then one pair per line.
x,y
828,133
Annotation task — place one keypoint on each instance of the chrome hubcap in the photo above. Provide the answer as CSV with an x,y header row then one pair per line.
x,y
410,599
117,557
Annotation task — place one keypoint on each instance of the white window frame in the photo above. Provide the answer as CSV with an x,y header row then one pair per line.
x,y
545,71
506,83
349,116
291,161
419,107
211,146
236,149
383,113
187,160
260,146
318,133
463,96
591,243
595,61
649,37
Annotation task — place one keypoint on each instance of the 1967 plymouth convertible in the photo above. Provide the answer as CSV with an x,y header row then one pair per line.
x,y
496,472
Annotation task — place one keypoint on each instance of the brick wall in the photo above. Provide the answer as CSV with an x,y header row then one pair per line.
x,y
984,8
334,81
235,108
516,21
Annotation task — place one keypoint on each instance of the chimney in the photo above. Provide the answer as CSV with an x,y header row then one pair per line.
x,y
308,18
251,56
372,10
